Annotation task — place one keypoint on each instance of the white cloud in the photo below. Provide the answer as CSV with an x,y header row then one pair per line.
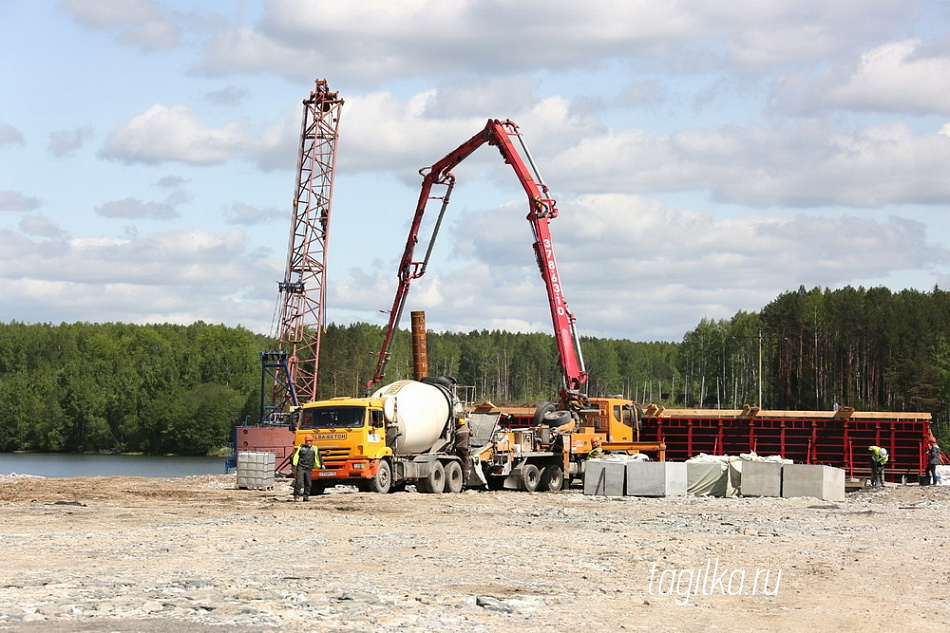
x,y
377,40
174,133
229,95
240,214
632,267
40,226
66,142
133,208
809,166
136,23
178,276
16,201
171,182
462,98
177,134
766,35
681,140
277,146
10,135
380,131
896,77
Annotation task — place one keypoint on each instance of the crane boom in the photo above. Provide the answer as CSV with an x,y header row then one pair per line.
x,y
542,208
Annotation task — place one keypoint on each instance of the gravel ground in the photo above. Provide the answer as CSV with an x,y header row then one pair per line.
x,y
196,554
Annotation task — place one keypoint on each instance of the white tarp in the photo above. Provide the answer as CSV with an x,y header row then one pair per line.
x,y
721,475
752,457
707,478
713,475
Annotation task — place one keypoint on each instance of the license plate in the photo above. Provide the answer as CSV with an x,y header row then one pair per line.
x,y
327,473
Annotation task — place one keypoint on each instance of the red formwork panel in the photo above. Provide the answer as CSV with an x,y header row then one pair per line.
x,y
839,440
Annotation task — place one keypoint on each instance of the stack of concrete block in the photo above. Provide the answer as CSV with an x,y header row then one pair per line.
x,y
761,479
813,480
604,477
717,478
656,479
255,470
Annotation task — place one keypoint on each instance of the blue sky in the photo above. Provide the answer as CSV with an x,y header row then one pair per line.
x,y
706,156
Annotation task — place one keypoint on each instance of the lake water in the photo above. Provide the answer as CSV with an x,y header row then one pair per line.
x,y
54,465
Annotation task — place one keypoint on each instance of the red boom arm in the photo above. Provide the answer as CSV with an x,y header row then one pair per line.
x,y
542,208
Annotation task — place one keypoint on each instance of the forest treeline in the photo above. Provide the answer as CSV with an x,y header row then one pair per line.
x,y
160,389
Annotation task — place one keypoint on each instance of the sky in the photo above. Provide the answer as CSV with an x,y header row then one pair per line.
x,y
705,156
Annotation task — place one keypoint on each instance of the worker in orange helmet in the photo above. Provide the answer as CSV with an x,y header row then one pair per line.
x,y
305,459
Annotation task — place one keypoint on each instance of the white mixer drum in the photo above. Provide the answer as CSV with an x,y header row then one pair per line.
x,y
419,410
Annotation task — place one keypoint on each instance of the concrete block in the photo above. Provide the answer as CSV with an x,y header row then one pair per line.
x,y
604,477
813,480
761,479
656,479
708,478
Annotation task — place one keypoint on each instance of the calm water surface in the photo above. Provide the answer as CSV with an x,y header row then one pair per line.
x,y
53,465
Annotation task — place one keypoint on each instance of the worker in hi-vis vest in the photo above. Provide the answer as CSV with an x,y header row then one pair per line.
x,y
878,460
305,459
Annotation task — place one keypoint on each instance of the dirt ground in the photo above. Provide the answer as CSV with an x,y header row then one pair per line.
x,y
197,554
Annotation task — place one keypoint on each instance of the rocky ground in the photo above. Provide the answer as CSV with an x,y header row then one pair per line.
x,y
197,554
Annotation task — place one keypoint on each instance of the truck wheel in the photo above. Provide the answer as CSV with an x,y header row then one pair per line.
x,y
435,481
552,478
383,481
530,477
317,489
454,478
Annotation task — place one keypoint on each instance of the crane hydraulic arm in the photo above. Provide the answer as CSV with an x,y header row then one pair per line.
x,y
542,208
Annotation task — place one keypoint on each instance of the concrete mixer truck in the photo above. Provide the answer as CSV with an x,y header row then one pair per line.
x,y
403,433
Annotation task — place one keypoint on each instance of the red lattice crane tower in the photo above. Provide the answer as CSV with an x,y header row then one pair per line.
x,y
303,289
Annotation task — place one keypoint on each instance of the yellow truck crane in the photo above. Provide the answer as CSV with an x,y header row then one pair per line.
x,y
544,449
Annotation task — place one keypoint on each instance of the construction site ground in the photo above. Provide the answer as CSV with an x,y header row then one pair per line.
x,y
197,554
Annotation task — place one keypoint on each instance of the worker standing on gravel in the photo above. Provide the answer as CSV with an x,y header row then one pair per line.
x,y
933,459
878,460
305,459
